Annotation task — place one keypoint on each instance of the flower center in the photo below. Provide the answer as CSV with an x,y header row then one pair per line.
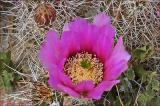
x,y
84,66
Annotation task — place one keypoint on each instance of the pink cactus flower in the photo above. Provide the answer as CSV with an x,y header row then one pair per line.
x,y
84,62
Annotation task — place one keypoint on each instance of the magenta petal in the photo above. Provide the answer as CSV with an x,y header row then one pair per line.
x,y
119,53
50,51
104,47
84,32
69,43
68,90
65,80
97,92
53,83
53,42
77,25
117,62
66,27
101,20
105,37
103,23
88,38
56,76
84,86
114,71
54,79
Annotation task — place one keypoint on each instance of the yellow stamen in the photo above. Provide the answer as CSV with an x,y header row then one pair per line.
x,y
84,66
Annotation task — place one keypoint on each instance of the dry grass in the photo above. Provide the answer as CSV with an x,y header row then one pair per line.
x,y
134,19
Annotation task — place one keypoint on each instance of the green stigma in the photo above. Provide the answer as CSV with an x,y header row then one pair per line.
x,y
85,64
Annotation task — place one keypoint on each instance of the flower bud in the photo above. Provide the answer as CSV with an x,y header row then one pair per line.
x,y
45,14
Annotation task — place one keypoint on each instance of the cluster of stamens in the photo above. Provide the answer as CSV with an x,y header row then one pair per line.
x,y
84,66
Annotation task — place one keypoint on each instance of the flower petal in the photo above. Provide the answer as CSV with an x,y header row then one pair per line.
x,y
104,47
84,86
105,38
66,27
56,76
77,25
101,20
65,80
50,51
103,86
53,82
119,52
117,62
103,23
54,79
68,90
112,72
84,32
70,43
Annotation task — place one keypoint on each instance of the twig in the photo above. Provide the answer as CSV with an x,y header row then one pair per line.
x,y
119,96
